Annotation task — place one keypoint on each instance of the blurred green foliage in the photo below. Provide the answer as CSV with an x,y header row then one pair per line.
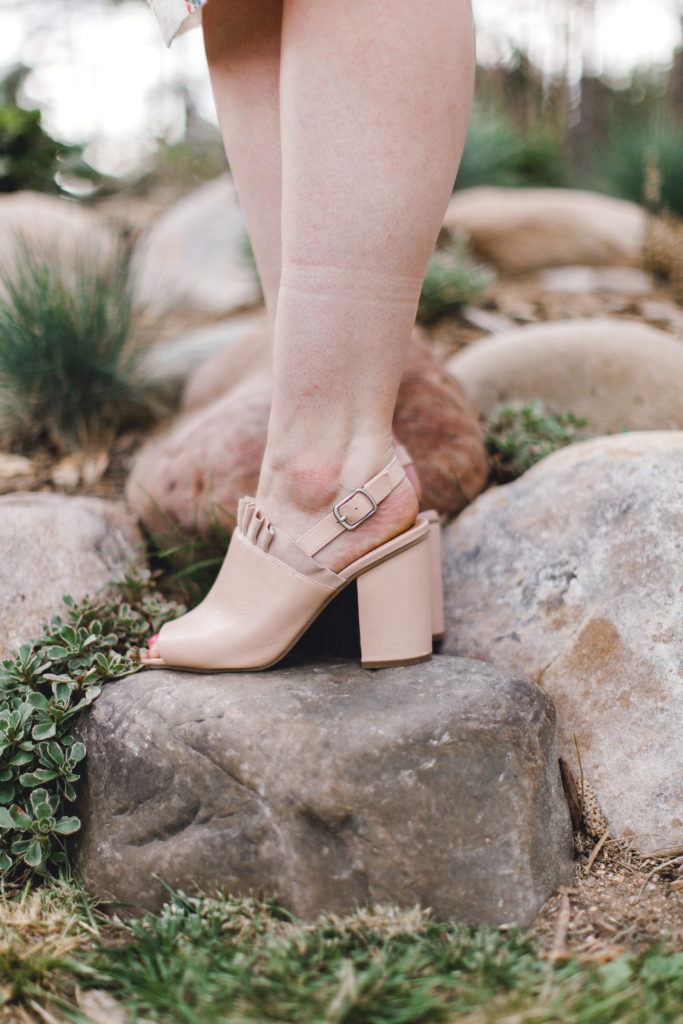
x,y
644,163
518,436
29,157
452,281
70,342
624,139
499,152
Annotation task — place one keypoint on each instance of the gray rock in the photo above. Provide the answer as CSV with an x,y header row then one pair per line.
x,y
328,786
664,314
194,255
613,373
573,576
246,354
52,545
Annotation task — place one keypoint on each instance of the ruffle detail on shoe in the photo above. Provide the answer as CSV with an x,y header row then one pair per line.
x,y
253,524
259,531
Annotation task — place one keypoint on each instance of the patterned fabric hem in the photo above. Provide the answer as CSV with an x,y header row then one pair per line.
x,y
176,16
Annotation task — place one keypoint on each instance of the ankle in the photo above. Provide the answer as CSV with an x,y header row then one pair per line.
x,y
313,480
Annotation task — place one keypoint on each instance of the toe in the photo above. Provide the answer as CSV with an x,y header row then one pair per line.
x,y
153,647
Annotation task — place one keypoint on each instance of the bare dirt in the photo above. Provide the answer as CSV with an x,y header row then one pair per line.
x,y
620,902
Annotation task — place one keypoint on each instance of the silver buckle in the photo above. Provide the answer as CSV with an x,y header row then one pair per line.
x,y
341,518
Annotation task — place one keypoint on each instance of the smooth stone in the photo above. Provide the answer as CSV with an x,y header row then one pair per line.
x,y
192,476
53,545
194,255
52,227
666,315
169,364
15,465
188,480
573,576
247,353
616,374
522,229
328,787
628,281
440,430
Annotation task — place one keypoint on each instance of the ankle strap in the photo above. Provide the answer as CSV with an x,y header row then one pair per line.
x,y
354,509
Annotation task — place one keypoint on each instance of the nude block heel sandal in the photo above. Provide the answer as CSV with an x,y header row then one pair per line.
x,y
394,609
271,588
436,574
432,517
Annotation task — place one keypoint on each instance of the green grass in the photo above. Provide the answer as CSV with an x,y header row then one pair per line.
x,y
186,562
223,961
69,347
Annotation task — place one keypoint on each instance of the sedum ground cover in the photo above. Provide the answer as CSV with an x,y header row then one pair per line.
x,y
43,688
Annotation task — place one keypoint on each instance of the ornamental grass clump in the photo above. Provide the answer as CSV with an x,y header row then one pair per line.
x,y
70,341
43,688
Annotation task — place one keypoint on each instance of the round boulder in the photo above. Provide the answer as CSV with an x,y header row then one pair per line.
x,y
195,255
52,545
522,229
573,575
616,374
52,228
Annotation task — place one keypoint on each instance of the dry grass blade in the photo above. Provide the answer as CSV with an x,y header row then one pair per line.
x,y
44,1013
659,868
559,950
596,850
44,934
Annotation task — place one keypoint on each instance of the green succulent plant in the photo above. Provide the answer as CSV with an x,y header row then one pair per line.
x,y
43,689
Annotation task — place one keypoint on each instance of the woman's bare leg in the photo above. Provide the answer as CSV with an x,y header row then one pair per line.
x,y
374,102
242,41
374,98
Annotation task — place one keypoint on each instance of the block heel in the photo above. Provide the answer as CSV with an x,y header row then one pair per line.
x,y
436,590
431,516
394,608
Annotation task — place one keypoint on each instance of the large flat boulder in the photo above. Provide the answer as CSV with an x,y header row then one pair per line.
x,y
52,545
328,786
522,229
616,374
573,576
